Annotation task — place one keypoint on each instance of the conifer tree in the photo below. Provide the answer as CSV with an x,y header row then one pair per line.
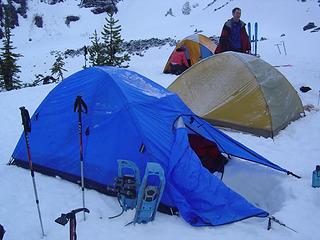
x,y
112,43
57,67
9,69
96,51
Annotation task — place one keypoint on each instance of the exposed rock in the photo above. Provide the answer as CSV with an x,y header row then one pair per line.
x,y
316,30
38,21
310,25
305,89
99,10
133,47
138,46
52,2
13,15
186,9
70,19
195,5
169,12
101,6
22,9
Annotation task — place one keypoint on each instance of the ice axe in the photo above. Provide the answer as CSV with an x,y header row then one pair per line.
x,y
71,217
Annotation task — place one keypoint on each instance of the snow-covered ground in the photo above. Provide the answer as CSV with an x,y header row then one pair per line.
x,y
296,148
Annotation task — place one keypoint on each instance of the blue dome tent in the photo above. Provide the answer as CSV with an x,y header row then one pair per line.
x,y
125,112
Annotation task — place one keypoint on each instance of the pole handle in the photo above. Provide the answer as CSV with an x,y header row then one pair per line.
x,y
80,105
25,119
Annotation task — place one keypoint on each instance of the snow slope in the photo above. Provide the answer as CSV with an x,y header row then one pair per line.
x,y
296,148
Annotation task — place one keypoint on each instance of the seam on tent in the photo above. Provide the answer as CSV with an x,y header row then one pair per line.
x,y
131,114
89,118
260,88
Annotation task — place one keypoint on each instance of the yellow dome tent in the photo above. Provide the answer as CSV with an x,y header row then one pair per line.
x,y
197,47
239,91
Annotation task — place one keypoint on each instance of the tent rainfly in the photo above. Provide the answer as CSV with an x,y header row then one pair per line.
x,y
125,112
241,92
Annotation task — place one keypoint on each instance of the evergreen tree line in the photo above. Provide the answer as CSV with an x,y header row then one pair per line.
x,y
108,52
9,69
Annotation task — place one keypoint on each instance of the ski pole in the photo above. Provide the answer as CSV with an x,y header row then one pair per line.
x,y
249,32
80,106
27,129
71,217
253,42
85,56
278,48
284,48
256,38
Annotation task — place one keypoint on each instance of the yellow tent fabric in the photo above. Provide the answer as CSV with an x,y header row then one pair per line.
x,y
239,91
198,47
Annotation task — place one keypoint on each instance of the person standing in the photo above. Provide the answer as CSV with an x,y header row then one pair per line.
x,y
234,36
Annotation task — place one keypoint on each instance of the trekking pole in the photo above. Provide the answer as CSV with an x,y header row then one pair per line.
x,y
80,106
253,42
27,129
284,48
256,39
71,217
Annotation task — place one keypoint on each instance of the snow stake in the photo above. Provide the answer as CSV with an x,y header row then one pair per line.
x,y
71,217
80,106
272,218
27,129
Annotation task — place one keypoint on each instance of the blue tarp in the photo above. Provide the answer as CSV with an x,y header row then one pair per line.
x,y
126,111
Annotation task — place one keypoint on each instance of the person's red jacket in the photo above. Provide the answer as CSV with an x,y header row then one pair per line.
x,y
179,58
224,44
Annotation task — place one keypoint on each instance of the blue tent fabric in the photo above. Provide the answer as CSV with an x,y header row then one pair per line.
x,y
125,111
205,52
200,186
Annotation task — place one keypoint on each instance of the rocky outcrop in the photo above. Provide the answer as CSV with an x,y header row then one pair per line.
x,y
101,6
15,8
70,19
38,21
